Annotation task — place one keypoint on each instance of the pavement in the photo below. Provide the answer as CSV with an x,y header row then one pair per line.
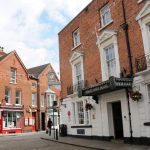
x,y
94,144
82,142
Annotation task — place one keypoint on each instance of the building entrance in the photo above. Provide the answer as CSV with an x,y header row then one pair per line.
x,y
117,118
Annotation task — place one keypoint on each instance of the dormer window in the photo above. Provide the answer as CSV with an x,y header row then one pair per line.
x,y
76,38
105,15
13,75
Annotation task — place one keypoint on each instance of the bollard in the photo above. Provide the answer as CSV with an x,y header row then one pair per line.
x,y
56,134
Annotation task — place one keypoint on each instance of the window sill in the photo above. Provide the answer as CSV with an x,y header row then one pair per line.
x,y
82,126
13,82
139,1
8,104
105,25
76,47
19,105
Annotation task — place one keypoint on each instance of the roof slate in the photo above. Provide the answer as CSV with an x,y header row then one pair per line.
x,y
35,71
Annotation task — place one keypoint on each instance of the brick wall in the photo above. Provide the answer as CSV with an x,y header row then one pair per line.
x,y
88,21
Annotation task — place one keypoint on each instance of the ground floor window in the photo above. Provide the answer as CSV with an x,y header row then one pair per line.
x,y
81,115
11,119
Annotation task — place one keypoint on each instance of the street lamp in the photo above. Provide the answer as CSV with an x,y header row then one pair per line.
x,y
51,104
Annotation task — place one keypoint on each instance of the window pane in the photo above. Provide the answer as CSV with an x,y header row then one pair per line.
x,y
80,112
18,97
105,15
7,95
76,38
110,60
13,75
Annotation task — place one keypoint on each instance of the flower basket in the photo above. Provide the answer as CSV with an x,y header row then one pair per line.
x,y
88,106
135,95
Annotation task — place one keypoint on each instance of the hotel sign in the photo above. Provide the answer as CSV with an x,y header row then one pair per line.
x,y
110,85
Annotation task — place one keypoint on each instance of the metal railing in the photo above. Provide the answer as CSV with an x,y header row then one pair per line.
x,y
76,87
142,63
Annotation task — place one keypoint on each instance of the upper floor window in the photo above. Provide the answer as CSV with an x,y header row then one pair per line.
x,y
42,100
76,38
33,99
110,60
108,49
18,97
105,15
33,85
78,72
144,21
13,75
7,95
50,100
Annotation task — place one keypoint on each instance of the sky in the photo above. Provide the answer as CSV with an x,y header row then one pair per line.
x,y
31,28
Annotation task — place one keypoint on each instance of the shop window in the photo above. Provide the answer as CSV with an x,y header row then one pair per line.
x,y
11,120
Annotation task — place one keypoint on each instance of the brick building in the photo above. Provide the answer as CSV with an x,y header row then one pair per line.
x,y
104,67
23,99
47,93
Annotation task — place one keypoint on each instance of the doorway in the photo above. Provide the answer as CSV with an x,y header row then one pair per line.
x,y
117,118
43,121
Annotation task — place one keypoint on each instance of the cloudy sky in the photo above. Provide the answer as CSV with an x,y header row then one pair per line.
x,y
30,27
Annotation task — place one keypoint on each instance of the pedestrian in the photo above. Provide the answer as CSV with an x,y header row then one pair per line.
x,y
49,125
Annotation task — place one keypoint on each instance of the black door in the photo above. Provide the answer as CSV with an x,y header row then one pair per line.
x,y
117,116
43,120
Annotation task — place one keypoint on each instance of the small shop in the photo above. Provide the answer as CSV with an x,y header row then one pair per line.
x,y
11,120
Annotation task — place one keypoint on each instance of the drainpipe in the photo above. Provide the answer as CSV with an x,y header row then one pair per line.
x,y
129,111
125,28
38,104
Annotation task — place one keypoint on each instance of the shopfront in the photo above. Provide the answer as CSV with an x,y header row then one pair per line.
x,y
11,121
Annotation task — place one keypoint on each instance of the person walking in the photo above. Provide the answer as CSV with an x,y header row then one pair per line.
x,y
49,125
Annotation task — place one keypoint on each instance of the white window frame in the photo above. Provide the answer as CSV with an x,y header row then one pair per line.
x,y
33,85
42,100
103,11
76,38
50,99
110,61
75,112
143,19
34,99
76,58
18,97
13,73
10,125
148,92
8,97
104,40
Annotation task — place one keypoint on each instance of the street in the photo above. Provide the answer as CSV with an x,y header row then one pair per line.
x,y
32,141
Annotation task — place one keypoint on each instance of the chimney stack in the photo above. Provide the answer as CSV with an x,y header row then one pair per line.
x,y
2,53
